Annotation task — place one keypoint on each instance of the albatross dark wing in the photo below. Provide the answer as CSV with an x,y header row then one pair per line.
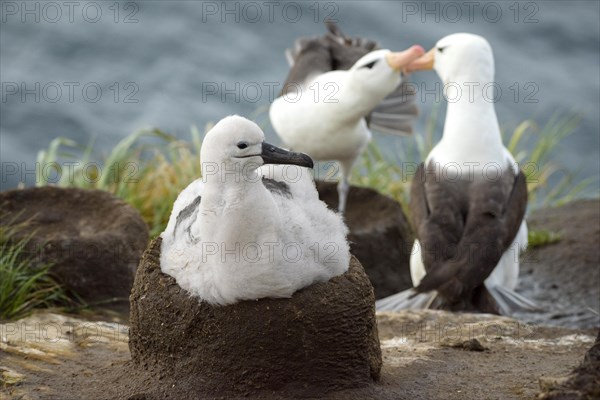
x,y
345,50
317,55
309,58
437,212
335,51
464,229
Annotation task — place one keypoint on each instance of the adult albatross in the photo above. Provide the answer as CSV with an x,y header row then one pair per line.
x,y
468,199
253,226
339,88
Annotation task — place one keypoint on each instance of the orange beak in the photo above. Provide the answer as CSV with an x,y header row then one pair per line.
x,y
422,63
399,60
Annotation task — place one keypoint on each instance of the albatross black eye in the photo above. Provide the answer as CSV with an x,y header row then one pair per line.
x,y
441,49
370,65
242,145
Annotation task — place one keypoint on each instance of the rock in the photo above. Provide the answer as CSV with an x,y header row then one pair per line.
x,y
93,239
380,236
322,339
468,345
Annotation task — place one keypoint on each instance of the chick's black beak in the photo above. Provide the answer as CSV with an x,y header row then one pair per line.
x,y
275,155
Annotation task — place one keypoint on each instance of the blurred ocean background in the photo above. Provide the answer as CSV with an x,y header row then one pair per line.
x,y
159,64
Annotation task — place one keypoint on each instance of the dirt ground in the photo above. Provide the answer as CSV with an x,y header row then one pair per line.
x,y
426,354
564,277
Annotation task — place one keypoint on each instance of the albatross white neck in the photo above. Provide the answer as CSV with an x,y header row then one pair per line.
x,y
471,131
471,134
471,120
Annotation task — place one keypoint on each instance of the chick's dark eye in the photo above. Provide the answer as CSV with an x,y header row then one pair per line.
x,y
370,65
242,145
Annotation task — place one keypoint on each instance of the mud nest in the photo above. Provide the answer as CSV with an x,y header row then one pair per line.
x,y
93,240
322,339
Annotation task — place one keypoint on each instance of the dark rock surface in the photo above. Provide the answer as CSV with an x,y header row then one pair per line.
x,y
380,236
564,277
93,239
322,339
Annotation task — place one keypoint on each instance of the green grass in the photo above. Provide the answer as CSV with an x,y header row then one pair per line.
x,y
542,238
24,284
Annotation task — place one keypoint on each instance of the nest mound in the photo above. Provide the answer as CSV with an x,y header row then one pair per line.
x,y
93,239
323,338
380,236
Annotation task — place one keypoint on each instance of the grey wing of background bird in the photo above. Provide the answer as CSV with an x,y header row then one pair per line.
x,y
397,113
336,51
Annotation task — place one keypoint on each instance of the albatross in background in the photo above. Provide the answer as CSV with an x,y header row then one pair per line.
x,y
468,199
248,230
339,88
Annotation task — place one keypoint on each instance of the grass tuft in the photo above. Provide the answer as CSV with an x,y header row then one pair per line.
x,y
25,284
542,238
539,165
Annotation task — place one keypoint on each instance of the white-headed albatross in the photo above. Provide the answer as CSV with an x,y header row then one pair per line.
x,y
468,199
248,230
334,94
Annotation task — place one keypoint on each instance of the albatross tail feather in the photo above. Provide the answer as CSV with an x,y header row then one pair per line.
x,y
406,300
509,301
